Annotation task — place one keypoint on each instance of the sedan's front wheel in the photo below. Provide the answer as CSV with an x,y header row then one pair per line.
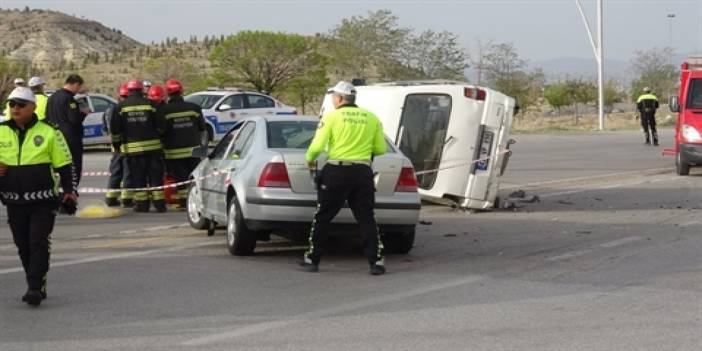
x,y
241,241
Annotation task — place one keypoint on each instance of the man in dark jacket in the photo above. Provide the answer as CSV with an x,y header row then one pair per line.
x,y
183,131
63,111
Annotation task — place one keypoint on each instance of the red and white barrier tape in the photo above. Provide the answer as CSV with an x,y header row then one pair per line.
x,y
90,190
462,164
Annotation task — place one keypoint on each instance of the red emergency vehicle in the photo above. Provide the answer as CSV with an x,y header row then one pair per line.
x,y
688,127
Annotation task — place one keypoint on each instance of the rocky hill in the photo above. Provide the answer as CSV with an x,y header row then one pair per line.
x,y
48,39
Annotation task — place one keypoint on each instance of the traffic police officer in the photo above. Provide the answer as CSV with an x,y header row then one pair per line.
x,y
647,104
118,164
352,136
138,135
36,85
183,132
31,151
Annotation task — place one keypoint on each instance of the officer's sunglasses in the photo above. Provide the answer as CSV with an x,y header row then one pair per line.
x,y
19,104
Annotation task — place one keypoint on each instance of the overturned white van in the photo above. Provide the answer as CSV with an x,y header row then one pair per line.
x,y
455,134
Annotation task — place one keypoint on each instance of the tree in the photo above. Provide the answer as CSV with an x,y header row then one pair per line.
x,y
266,61
581,92
307,88
478,60
613,93
654,68
506,72
165,68
361,44
431,55
557,95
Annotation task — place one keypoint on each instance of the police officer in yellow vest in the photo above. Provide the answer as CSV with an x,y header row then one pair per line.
x,y
352,136
36,85
31,151
647,104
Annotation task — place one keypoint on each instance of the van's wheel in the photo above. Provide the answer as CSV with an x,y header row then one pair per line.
x,y
399,242
241,241
195,218
681,168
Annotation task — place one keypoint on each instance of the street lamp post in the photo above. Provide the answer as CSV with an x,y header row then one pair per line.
x,y
670,29
599,56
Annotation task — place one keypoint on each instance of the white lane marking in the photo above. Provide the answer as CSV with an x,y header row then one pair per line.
x,y
577,179
691,223
348,307
113,257
607,245
619,185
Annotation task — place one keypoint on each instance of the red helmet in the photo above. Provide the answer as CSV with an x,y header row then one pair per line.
x,y
135,84
156,93
123,91
174,86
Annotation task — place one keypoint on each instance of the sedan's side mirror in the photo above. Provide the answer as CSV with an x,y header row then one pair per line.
x,y
224,107
674,104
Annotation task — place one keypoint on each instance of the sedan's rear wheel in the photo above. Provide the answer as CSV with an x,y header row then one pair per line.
x,y
399,242
241,241
195,217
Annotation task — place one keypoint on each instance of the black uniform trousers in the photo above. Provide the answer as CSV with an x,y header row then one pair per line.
x,y
76,148
31,226
145,170
180,169
649,121
336,185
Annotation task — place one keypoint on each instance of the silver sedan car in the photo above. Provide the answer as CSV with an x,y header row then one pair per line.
x,y
263,184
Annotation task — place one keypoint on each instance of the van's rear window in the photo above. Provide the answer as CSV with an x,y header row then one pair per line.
x,y
694,95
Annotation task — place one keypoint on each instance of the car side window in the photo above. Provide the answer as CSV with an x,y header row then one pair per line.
x,y
100,104
82,103
223,145
259,101
243,142
235,101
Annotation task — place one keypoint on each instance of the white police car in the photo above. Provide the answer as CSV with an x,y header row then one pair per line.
x,y
93,132
222,108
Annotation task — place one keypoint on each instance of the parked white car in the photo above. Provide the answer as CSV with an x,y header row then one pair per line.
x,y
222,108
92,126
266,185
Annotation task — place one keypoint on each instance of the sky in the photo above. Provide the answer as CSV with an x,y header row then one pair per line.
x,y
539,29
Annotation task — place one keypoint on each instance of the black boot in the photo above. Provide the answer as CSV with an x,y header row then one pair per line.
x,y
141,206
127,203
160,205
32,297
112,202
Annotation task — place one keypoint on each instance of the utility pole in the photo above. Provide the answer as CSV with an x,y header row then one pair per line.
x,y
670,29
597,49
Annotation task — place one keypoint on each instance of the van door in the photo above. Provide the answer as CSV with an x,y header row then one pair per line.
x,y
422,133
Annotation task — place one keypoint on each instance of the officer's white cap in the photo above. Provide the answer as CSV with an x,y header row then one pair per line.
x,y
147,83
36,81
343,88
647,90
19,81
22,94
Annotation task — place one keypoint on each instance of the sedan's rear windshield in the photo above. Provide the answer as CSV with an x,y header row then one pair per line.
x,y
298,135
291,134
205,101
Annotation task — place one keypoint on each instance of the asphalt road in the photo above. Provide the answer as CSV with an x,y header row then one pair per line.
x,y
608,260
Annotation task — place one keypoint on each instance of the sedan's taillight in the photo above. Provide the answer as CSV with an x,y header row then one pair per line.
x,y
407,183
274,175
